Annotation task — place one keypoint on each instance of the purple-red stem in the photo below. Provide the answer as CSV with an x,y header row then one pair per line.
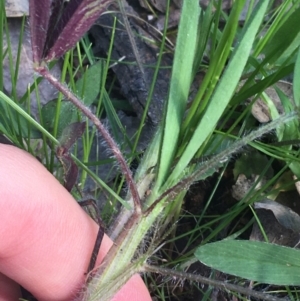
x,y
110,141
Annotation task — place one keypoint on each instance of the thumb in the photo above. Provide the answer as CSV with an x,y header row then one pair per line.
x,y
46,239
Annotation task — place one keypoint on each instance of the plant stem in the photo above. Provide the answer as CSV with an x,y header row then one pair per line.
x,y
216,283
113,272
131,37
110,141
118,259
219,159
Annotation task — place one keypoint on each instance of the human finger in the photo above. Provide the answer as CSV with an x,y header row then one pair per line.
x,y
46,238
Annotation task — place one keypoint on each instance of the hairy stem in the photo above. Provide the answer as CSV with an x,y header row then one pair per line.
x,y
216,283
218,160
124,250
110,141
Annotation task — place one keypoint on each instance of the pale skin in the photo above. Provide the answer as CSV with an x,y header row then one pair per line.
x,y
46,239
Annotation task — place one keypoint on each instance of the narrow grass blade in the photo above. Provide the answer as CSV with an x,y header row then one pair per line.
x,y
34,123
296,83
180,84
253,260
224,90
284,36
218,59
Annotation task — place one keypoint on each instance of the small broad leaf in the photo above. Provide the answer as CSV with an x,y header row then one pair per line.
x,y
88,86
253,260
251,164
68,115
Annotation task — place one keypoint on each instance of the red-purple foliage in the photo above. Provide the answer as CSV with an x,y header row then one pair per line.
x,y
57,25
69,136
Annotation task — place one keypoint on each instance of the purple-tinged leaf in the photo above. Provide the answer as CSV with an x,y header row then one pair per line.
x,y
77,17
56,13
71,176
69,167
70,134
39,11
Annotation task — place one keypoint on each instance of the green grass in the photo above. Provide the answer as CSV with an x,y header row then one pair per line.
x,y
196,139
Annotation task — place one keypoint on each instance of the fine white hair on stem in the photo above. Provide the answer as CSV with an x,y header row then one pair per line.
x,y
98,124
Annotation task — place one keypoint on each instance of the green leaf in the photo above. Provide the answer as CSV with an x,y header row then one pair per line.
x,y
180,84
218,60
295,168
15,121
286,35
253,260
224,90
88,86
290,131
251,163
264,83
68,115
21,113
296,83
